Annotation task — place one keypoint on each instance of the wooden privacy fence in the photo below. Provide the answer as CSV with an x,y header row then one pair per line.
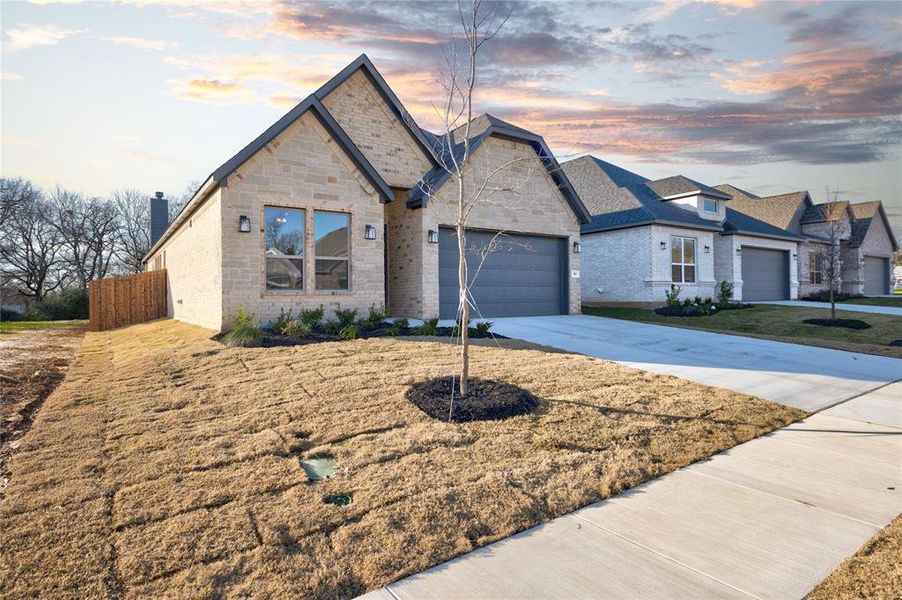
x,y
119,301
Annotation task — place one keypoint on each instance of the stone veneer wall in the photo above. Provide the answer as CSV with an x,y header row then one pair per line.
x,y
364,115
192,257
877,242
302,168
405,242
805,285
526,201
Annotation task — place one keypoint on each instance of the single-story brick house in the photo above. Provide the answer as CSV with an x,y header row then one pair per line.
x,y
866,239
343,202
645,235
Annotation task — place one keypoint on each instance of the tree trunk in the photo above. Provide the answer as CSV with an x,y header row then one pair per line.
x,y
832,302
463,310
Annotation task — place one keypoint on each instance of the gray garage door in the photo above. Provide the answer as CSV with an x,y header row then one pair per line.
x,y
524,276
765,274
876,276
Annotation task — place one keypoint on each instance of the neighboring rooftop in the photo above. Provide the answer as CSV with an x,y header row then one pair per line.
x,y
779,210
734,191
679,186
865,213
828,211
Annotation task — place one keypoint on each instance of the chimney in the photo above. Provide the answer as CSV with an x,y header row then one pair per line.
x,y
159,217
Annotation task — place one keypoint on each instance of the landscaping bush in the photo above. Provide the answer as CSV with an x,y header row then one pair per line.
x,y
845,323
724,293
244,332
346,316
9,315
351,331
59,306
824,296
313,317
428,327
483,327
672,297
402,324
376,316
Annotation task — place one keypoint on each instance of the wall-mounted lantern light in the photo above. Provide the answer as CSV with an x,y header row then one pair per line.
x,y
577,247
244,224
738,251
663,245
707,249
432,236
369,232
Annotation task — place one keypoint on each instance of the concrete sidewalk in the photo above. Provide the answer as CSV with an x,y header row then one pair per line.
x,y
767,519
865,308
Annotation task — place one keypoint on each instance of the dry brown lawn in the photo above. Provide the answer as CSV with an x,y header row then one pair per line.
x,y
875,571
166,465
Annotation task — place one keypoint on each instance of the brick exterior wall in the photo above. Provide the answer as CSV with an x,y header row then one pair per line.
x,y
302,168
192,257
877,242
364,115
526,201
616,265
405,241
661,276
805,285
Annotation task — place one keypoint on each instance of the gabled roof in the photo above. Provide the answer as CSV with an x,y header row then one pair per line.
x,y
779,210
679,186
364,64
828,211
740,223
865,213
450,148
734,191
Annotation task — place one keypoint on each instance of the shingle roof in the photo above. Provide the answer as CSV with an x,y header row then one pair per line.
x,y
865,213
679,185
619,199
779,210
734,191
450,148
827,211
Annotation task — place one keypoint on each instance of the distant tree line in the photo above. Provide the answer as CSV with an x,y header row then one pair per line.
x,y
56,242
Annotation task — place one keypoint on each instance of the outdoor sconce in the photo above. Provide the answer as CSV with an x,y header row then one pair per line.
x,y
577,247
369,233
707,249
738,251
432,236
244,224
663,245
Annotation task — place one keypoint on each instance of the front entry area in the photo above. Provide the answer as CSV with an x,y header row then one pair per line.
x,y
522,275
765,274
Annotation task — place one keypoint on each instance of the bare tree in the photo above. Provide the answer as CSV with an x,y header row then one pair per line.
x,y
89,230
30,247
133,216
830,252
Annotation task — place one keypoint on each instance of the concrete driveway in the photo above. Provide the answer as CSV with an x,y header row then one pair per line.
x,y
865,308
806,377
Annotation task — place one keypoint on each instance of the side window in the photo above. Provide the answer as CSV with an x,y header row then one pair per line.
x,y
682,259
815,267
332,238
284,248
710,205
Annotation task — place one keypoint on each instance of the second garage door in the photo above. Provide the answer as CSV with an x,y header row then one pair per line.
x,y
524,276
876,276
765,274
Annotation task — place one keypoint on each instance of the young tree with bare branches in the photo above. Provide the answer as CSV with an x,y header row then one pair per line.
x,y
830,253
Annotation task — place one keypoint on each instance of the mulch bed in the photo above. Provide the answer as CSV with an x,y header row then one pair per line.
x,y
846,323
486,400
271,339
696,311
896,343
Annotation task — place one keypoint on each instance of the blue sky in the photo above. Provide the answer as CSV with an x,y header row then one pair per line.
x,y
769,96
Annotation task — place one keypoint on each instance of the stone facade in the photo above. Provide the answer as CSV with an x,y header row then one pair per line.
x,y
806,286
729,264
406,243
302,168
522,198
193,259
877,243
377,132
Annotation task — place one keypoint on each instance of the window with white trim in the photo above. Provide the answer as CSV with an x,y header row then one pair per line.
x,y
284,248
816,267
331,233
709,205
682,259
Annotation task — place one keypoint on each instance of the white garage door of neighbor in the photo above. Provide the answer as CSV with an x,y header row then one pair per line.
x,y
765,274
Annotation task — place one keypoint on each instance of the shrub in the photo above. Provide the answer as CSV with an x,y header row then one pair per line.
x,y
376,316
346,316
350,331
824,296
35,313
724,292
313,317
428,327
63,305
672,296
402,324
281,323
708,300
332,327
698,300
9,315
244,332
455,332
687,302
483,327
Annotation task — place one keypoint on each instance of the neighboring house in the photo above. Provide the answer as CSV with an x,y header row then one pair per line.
x,y
867,242
343,203
11,298
646,235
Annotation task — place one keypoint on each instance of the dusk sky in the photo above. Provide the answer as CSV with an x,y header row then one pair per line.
x,y
770,96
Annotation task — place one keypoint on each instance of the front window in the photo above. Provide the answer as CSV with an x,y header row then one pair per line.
x,y
710,206
816,267
332,236
284,252
682,259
